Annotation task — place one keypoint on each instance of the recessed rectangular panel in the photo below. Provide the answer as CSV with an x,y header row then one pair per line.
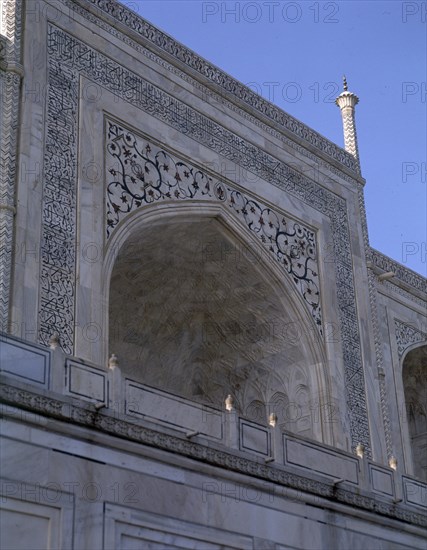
x,y
415,492
320,460
29,525
254,438
86,382
381,480
160,540
131,529
31,364
178,413
34,516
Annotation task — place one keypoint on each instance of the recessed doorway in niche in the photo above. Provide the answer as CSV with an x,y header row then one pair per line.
x,y
415,386
194,311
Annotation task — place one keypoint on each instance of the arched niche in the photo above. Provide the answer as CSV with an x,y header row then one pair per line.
x,y
414,372
197,309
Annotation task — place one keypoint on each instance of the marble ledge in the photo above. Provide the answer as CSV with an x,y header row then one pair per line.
x,y
44,407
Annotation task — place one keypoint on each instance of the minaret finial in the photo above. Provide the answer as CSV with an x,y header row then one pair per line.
x,y
347,101
345,83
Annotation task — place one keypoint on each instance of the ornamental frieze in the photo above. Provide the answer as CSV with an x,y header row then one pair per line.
x,y
401,272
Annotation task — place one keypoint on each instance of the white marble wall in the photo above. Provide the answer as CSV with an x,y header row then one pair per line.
x,y
86,331
113,493
62,146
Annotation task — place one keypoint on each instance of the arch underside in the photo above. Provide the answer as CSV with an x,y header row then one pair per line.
x,y
195,311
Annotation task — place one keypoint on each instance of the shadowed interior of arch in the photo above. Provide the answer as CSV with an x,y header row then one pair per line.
x,y
415,385
193,311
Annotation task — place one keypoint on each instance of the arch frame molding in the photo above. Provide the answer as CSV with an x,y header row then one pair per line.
x,y
70,58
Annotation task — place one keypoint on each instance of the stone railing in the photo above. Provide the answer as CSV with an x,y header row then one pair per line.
x,y
47,382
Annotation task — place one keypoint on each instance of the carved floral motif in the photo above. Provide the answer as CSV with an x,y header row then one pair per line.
x,y
141,173
406,335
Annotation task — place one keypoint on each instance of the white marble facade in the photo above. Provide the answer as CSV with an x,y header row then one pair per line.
x,y
165,244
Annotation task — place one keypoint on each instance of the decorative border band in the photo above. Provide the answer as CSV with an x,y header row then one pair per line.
x,y
59,207
10,84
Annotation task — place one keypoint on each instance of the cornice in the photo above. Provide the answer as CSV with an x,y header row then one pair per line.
x,y
403,277
134,26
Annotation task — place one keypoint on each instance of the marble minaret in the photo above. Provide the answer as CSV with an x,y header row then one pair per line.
x,y
347,102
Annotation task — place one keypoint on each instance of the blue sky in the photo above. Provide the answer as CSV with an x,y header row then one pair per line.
x,y
295,53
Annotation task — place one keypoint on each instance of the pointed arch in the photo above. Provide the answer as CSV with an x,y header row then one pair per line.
x,y
259,290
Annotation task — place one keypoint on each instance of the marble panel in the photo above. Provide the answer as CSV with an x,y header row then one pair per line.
x,y
28,363
415,492
86,382
254,438
126,528
320,459
381,480
169,409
